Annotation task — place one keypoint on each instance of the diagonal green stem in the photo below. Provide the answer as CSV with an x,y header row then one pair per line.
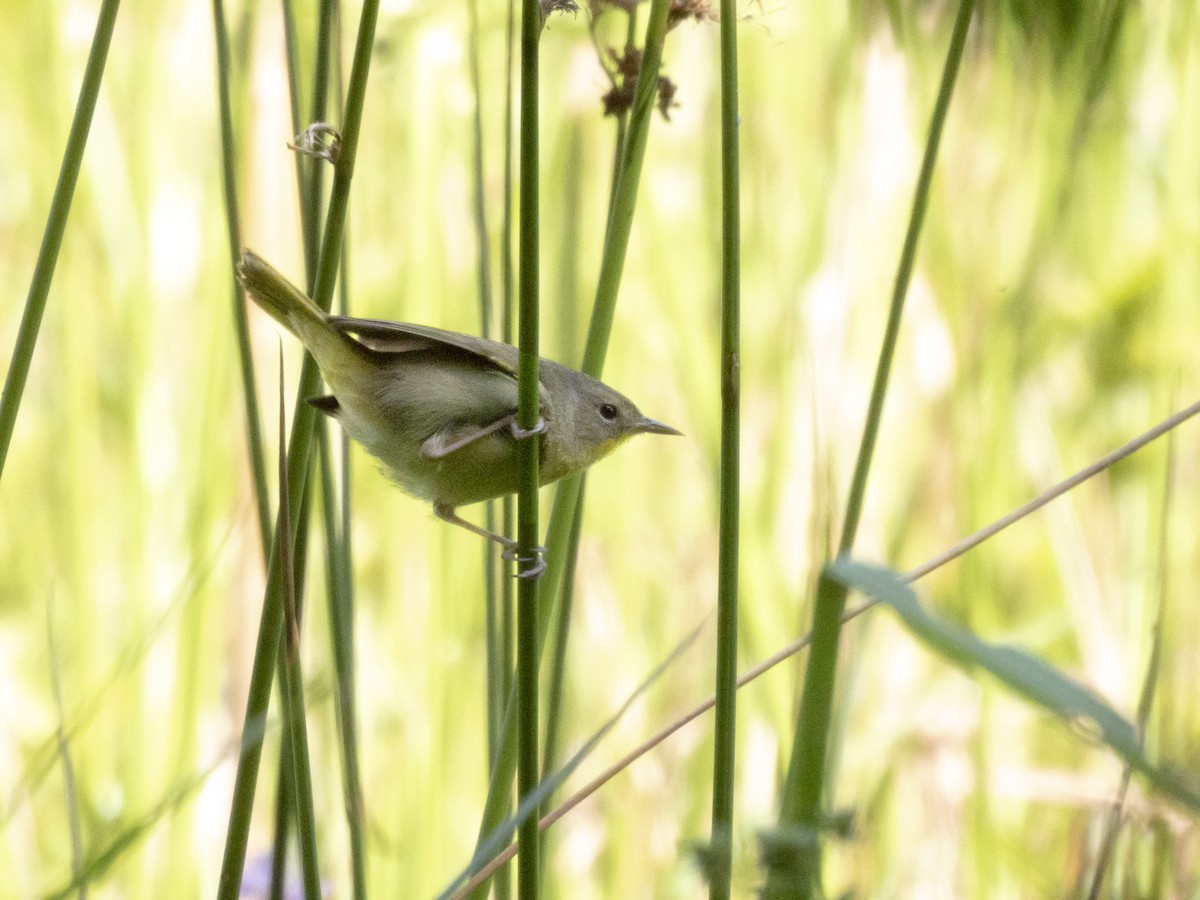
x,y
56,225
258,466
803,788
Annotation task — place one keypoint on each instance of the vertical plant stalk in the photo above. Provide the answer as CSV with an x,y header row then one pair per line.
x,y
309,181
298,454
258,466
288,794
497,662
803,788
56,225
337,514
562,633
502,881
566,497
568,271
293,680
528,419
725,734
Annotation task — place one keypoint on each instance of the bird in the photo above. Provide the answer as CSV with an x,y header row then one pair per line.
x,y
438,409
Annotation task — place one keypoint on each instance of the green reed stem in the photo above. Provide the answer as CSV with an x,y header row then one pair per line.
x,y
805,781
725,726
56,225
528,644
567,495
295,742
568,274
258,465
492,572
298,454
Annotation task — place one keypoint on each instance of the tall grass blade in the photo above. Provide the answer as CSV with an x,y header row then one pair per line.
x,y
805,781
254,440
725,726
56,226
298,454
1022,673
563,511
528,288
292,682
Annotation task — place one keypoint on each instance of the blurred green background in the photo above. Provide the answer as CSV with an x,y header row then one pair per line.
x,y
1052,316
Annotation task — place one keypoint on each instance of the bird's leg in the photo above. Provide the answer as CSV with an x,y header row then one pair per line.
x,y
539,553
447,440
446,513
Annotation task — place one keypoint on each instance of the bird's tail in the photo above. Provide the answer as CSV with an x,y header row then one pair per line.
x,y
286,303
335,352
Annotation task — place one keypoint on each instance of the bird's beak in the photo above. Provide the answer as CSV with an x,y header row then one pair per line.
x,y
652,426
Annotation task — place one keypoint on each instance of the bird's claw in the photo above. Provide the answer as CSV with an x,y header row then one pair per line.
x,y
518,432
312,142
538,560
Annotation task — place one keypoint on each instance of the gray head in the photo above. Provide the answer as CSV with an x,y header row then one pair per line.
x,y
590,420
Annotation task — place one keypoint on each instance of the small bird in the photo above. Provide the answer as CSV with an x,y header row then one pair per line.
x,y
439,408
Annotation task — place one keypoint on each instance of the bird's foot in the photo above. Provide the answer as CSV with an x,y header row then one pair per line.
x,y
518,432
320,140
536,562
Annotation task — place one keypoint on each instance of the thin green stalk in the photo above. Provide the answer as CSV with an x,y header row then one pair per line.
x,y
56,225
492,574
528,419
337,512
340,590
562,633
568,269
285,787
567,495
502,883
725,726
258,465
285,797
803,788
294,781
287,791
621,223
506,225
292,681
312,197
298,454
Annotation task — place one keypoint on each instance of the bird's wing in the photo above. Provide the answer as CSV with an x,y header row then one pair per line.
x,y
400,337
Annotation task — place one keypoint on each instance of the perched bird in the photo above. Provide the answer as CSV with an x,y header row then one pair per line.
x,y
439,408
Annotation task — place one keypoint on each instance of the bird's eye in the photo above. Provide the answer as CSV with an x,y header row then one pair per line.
x,y
608,412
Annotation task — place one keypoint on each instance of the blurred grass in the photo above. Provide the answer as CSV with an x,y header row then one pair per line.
x,y
1051,318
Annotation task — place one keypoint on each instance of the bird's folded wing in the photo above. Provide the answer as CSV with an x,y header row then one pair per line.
x,y
401,337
